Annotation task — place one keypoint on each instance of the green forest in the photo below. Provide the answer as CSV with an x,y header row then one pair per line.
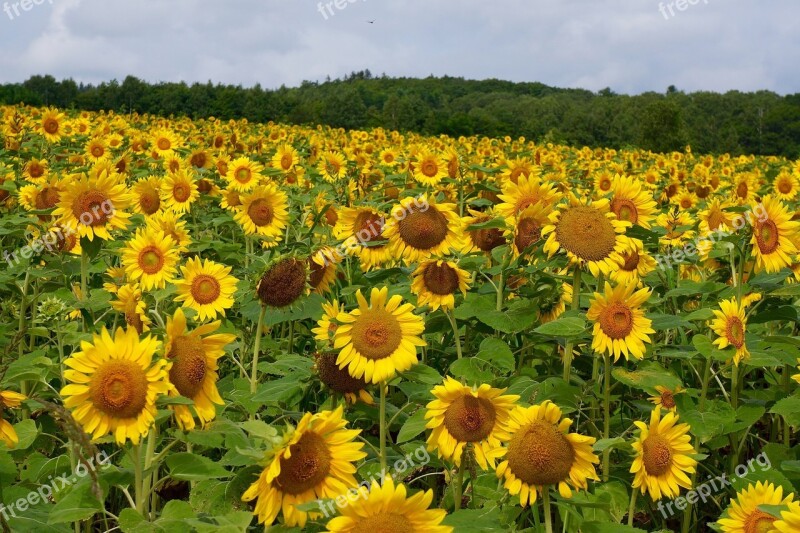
x,y
760,122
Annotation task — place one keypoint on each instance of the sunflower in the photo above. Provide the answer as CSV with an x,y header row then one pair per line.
x,y
420,228
339,380
147,197
786,186
9,400
635,263
129,301
51,125
264,212
462,415
94,206
429,169
231,199
362,231
387,509
743,514
526,192
285,158
744,188
151,257
666,397
284,281
663,456
313,461
553,305
243,174
630,202
730,325
715,217
42,196
97,149
179,191
380,338
528,227
388,157
171,224
483,240
519,167
322,266
207,287
165,142
325,332
194,355
36,170
332,166
773,234
114,383
589,233
684,201
678,228
541,453
790,519
200,158
620,326
435,282
603,181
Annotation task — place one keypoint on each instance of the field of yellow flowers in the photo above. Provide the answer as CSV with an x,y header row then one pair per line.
x,y
224,326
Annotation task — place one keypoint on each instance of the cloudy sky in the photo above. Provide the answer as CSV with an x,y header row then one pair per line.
x,y
628,45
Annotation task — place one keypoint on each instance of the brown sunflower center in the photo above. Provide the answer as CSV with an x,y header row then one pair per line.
x,y
283,283
656,455
51,125
90,207
423,229
716,219
625,210
452,168
686,202
35,170
667,399
308,465
199,160
470,419
119,389
540,454
188,365
616,320
151,260
429,168
735,331
98,151
440,279
587,233
368,227
742,189
702,192
48,197
181,191
163,143
486,239
376,334
767,236
205,289
260,212
149,201
785,186
383,523
630,261
316,273
242,174
605,184
528,232
759,522
337,379
286,161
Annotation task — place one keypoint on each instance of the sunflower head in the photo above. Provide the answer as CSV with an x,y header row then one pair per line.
x,y
284,281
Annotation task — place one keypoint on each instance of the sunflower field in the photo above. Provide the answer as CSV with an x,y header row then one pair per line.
x,y
226,326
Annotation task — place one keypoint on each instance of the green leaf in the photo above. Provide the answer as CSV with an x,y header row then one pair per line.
x,y
606,527
413,426
789,409
423,374
663,322
497,353
260,429
704,425
475,520
471,369
648,376
79,504
27,433
563,327
190,467
610,444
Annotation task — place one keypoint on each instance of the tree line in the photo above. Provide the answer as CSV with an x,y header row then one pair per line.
x,y
760,122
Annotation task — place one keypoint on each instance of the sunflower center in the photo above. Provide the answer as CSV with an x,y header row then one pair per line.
x,y
540,454
716,219
605,184
631,261
587,233
625,210
199,160
470,419
735,331
440,279
337,379
149,201
429,168
657,456
767,236
528,232
47,198
51,125
616,320
205,289
181,192
132,318
376,334
742,190
452,168
35,170
151,260
369,227
260,212
702,192
383,523
486,239
759,522
286,161
785,186
94,203
423,229
686,203
188,365
308,465
242,175
119,389
667,399
98,151
283,283
163,144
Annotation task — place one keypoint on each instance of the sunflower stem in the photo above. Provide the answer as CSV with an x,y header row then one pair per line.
x,y
606,413
147,485
458,484
138,478
576,298
735,387
256,349
632,506
548,518
451,317
382,428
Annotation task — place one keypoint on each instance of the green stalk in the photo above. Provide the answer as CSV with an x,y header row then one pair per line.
x,y
548,518
606,413
382,431
458,484
256,349
138,478
576,298
451,317
735,387
148,463
632,506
